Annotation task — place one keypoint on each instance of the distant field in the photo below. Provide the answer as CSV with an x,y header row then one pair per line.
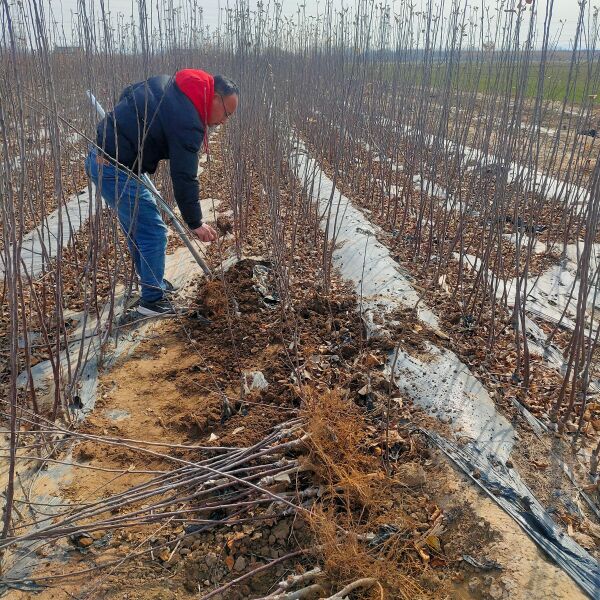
x,y
492,77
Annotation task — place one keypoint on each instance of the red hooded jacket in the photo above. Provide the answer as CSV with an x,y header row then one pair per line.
x,y
199,87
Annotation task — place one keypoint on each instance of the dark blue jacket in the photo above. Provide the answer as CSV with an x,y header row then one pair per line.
x,y
154,120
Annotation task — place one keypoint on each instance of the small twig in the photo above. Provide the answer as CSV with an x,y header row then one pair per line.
x,y
365,582
293,580
307,592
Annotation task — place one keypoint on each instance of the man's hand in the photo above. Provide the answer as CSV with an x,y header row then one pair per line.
x,y
205,233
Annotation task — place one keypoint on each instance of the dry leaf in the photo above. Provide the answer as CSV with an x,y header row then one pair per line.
x,y
231,541
372,361
164,555
433,541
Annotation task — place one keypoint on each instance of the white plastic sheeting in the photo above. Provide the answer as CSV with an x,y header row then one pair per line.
x,y
534,181
383,288
42,243
551,294
445,387
381,284
555,291
88,338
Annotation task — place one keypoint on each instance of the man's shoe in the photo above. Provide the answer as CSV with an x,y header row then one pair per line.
x,y
169,287
159,308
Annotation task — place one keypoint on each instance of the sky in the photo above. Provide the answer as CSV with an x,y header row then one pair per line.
x,y
564,10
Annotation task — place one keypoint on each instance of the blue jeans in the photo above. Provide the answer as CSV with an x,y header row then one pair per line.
x,y
140,220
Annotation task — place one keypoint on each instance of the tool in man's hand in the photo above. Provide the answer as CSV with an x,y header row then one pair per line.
x,y
181,232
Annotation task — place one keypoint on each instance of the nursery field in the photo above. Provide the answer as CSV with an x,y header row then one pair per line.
x,y
386,381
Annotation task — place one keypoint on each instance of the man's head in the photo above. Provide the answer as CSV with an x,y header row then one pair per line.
x,y
225,102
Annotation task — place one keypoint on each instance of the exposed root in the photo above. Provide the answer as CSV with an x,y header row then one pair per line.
x,y
356,501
